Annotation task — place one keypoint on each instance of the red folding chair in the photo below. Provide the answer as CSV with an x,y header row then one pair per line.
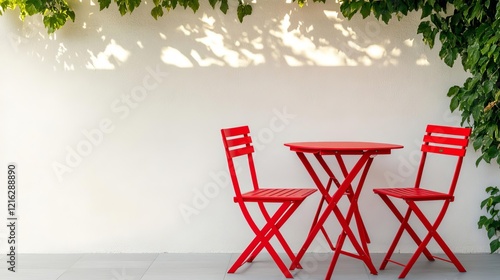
x,y
237,142
442,140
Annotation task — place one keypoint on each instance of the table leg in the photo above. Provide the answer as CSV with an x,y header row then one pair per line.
x,y
332,207
349,191
361,247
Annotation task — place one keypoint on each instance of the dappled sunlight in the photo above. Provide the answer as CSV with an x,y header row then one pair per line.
x,y
215,44
174,57
305,47
290,36
104,60
423,61
205,62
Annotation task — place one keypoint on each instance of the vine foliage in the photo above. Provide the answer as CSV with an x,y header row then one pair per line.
x,y
491,223
469,30
56,13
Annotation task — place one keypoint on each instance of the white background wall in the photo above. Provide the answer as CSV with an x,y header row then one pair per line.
x,y
159,92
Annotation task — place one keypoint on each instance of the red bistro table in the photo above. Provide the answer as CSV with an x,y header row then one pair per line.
x,y
366,151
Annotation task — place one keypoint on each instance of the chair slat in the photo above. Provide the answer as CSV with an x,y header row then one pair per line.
x,y
443,150
277,195
235,131
246,140
241,151
463,131
414,194
446,140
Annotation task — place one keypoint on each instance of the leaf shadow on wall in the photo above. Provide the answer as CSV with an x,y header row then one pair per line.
x,y
281,35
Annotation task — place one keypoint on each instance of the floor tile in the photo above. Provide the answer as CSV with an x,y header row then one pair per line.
x,y
31,274
103,274
478,266
116,261
316,265
44,261
188,266
215,266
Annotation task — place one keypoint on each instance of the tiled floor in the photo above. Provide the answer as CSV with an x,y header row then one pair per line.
x,y
214,266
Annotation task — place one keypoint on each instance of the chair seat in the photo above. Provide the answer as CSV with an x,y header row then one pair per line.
x,y
413,193
276,195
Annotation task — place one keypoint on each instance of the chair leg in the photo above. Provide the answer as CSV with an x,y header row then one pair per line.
x,y
404,226
422,244
432,233
276,232
263,237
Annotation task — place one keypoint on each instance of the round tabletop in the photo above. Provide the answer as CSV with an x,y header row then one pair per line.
x,y
332,146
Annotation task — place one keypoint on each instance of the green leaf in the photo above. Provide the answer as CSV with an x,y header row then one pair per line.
x,y
493,48
194,5
366,9
479,159
157,12
477,11
483,203
123,9
453,91
386,16
473,55
455,102
491,232
428,32
426,10
184,3
494,245
243,10
357,5
132,4
448,56
34,6
488,87
173,3
54,21
104,4
71,14
224,6
213,2
482,221
478,142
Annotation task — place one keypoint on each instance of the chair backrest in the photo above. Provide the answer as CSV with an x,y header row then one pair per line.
x,y
444,140
237,142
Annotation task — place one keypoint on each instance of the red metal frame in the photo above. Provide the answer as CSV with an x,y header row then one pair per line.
x,y
237,142
444,140
366,151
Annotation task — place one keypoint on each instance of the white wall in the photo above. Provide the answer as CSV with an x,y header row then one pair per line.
x,y
291,74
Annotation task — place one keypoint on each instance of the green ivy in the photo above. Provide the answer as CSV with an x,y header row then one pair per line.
x,y
466,29
56,13
469,30
491,223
